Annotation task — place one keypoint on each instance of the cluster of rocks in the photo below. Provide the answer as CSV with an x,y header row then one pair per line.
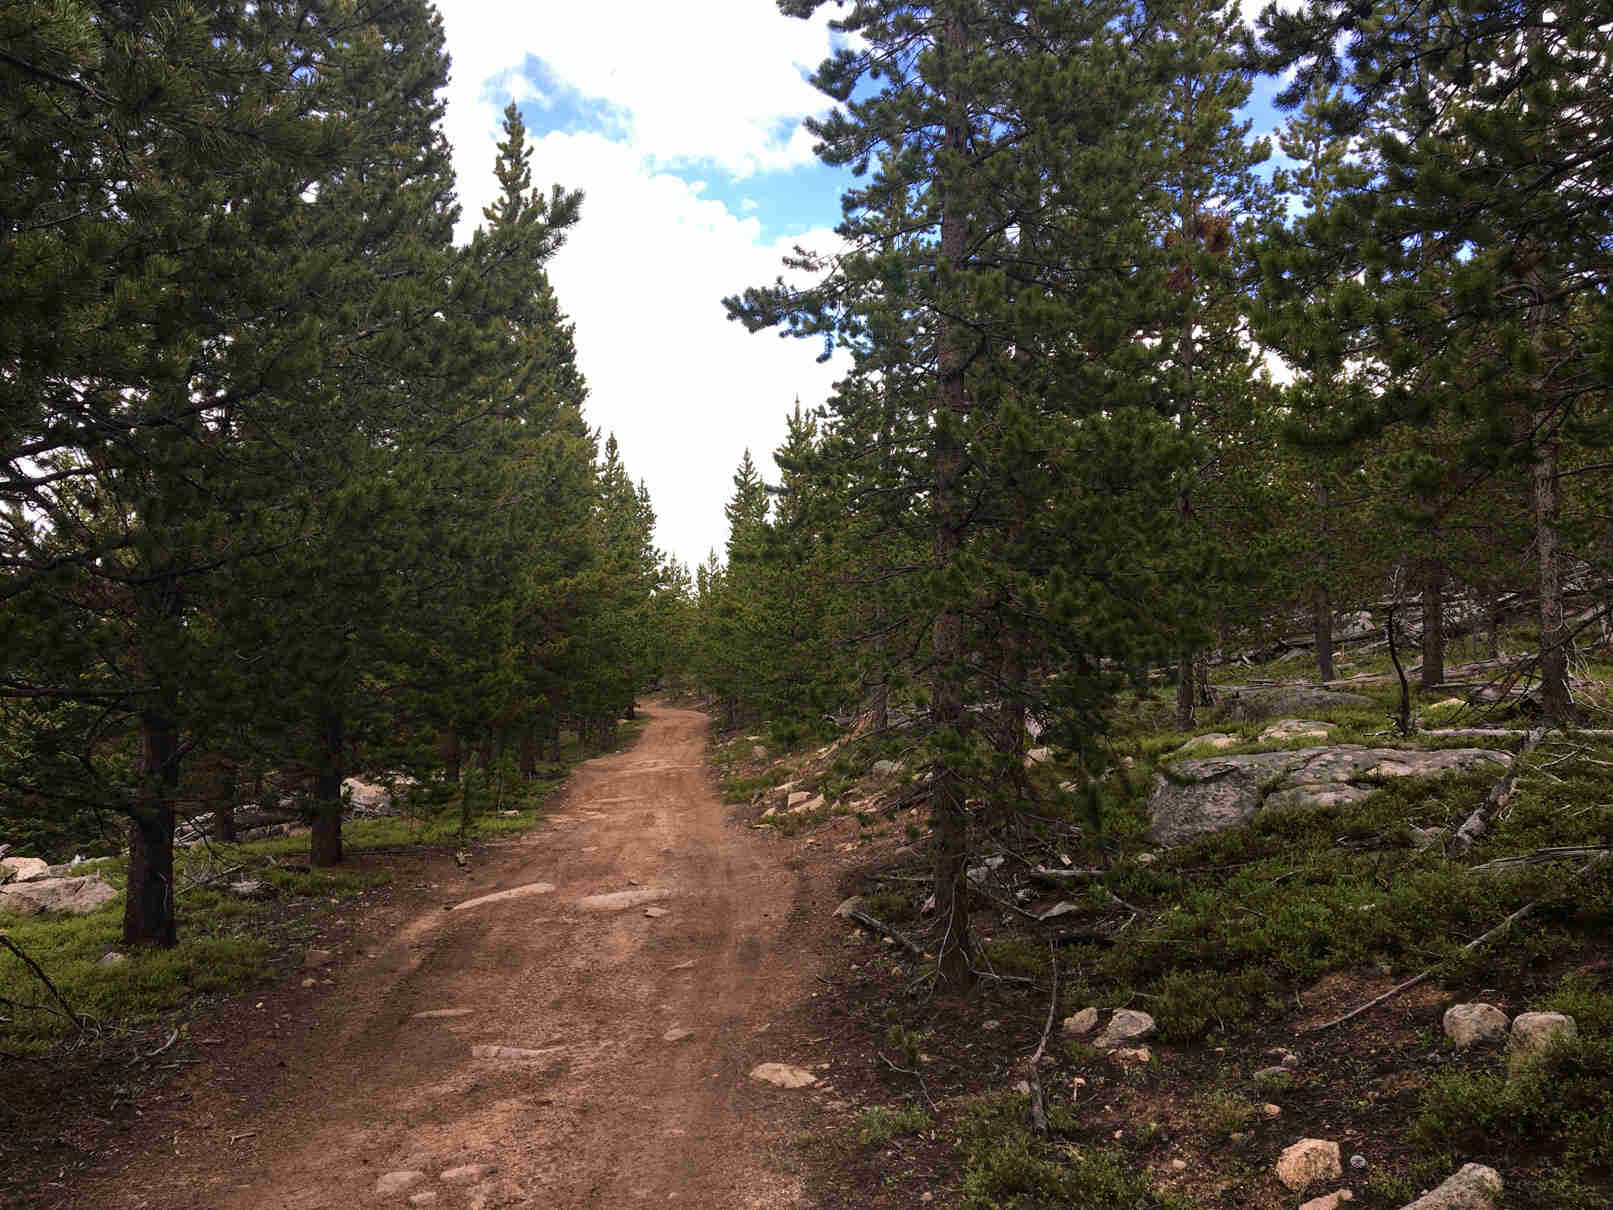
x,y
403,1181
1311,1162
1121,1036
1528,1035
30,886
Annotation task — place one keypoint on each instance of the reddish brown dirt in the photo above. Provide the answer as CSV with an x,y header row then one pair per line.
x,y
611,1114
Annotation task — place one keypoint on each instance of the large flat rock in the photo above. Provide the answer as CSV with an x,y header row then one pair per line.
x,y
74,896
1193,798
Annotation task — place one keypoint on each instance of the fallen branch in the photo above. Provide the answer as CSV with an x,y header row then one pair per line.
x,y
1038,1097
1478,823
1542,857
910,1071
67,1009
1468,948
879,926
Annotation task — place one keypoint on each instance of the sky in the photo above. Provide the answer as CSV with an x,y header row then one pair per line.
x,y
697,178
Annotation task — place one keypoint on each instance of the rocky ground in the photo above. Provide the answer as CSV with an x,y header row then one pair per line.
x,y
659,998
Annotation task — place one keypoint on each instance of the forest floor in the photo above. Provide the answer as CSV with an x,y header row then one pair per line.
x,y
328,1087
313,1091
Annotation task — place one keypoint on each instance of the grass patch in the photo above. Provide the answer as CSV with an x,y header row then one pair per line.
x,y
1007,1167
879,1125
224,942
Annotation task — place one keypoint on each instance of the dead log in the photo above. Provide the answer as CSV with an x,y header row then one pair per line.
x,y
1500,794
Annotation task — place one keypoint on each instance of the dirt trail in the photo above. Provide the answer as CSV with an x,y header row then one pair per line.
x,y
609,1112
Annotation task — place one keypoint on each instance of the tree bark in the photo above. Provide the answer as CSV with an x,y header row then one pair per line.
x,y
528,755
451,755
148,901
1544,423
948,815
325,837
1321,599
1433,625
1554,699
1186,699
226,778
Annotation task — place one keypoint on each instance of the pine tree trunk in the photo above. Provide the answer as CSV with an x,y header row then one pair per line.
x,y
948,816
451,755
1433,625
528,754
148,901
1554,698
226,778
1322,614
879,705
1185,698
325,837
1321,599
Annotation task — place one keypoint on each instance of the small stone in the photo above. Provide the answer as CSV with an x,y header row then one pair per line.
x,y
310,981
1023,1087
989,1026
796,798
1290,1061
1532,1033
1178,1165
1331,1201
1475,1187
1273,1075
655,913
312,959
1308,1162
887,768
1271,1111
520,892
1131,1054
783,1075
397,1182
677,1034
513,1054
1038,756
1469,1024
758,752
617,901
1127,1025
1358,1161
466,1174
1083,1022
112,956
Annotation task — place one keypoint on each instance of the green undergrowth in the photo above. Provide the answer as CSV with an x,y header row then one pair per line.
x,y
225,943
1007,1166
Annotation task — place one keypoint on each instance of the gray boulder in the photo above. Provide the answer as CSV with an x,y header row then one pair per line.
x,y
1285,701
1193,798
1475,1187
75,896
23,869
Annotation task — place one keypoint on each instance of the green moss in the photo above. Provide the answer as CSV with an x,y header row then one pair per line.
x,y
879,1125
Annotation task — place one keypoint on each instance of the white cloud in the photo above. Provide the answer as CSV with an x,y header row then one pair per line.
x,y
685,390
720,81
643,274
